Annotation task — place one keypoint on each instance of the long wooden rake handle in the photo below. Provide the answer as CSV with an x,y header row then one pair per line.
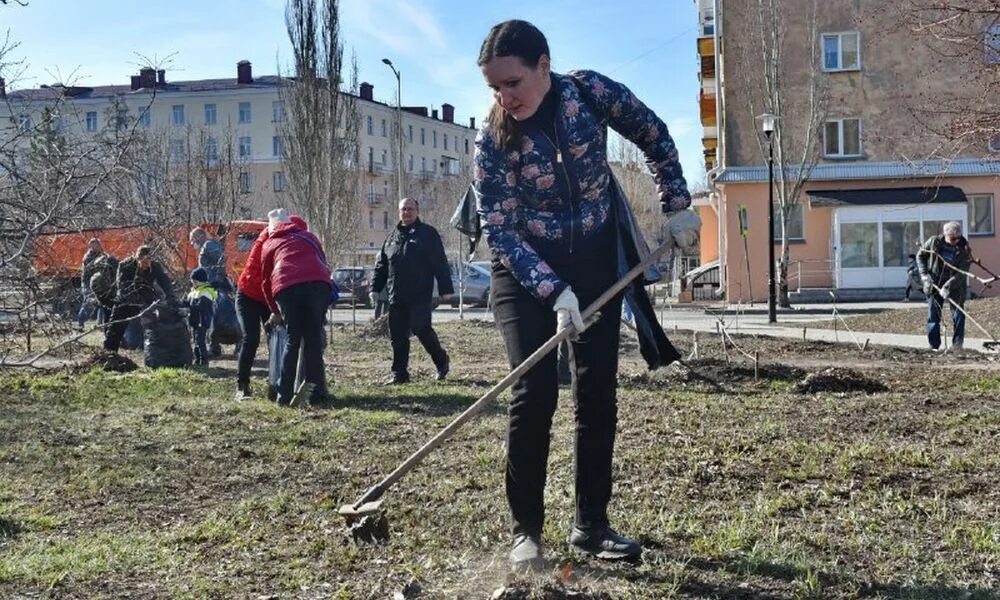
x,y
376,491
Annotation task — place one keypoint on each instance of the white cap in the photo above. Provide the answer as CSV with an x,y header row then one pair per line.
x,y
276,216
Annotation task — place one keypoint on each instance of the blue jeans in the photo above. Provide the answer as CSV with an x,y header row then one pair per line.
x,y
934,308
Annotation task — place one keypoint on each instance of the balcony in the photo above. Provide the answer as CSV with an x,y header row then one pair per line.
x,y
374,199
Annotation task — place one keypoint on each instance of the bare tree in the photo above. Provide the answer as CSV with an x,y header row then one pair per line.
x,y
629,167
799,100
963,34
321,127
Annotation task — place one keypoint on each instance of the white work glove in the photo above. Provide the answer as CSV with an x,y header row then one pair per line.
x,y
683,228
373,298
928,285
567,309
946,289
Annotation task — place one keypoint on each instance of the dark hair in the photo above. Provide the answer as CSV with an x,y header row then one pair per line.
x,y
143,251
515,38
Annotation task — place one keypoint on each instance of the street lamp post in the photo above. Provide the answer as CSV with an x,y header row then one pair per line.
x,y
399,129
768,127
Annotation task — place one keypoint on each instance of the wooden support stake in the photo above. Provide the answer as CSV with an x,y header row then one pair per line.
x,y
803,334
756,366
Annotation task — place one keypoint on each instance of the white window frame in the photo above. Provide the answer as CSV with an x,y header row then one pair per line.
x,y
211,151
277,146
244,150
993,143
25,123
840,51
278,181
385,132
991,45
277,111
989,198
246,182
370,125
245,112
211,114
91,121
840,140
177,116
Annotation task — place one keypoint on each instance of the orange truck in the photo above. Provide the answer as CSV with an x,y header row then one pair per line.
x,y
58,256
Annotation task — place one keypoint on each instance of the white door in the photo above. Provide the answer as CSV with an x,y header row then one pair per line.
x,y
872,244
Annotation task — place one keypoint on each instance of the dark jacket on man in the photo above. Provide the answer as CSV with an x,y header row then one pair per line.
x,y
212,257
931,261
135,286
412,257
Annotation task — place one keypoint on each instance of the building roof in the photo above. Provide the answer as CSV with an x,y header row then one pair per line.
x,y
112,91
853,171
903,195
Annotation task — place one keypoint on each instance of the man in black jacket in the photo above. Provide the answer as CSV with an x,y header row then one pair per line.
x,y
412,257
134,282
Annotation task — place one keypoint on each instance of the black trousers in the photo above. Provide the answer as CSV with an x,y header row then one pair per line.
x,y
303,307
124,313
525,324
413,317
252,315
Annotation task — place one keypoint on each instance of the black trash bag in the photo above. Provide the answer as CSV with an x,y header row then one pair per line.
x,y
167,338
132,339
225,323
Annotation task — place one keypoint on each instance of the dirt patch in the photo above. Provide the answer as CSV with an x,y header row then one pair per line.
x,y
109,361
378,328
986,312
370,529
839,380
520,590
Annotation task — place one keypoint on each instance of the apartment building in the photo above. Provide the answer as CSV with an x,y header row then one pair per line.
x,y
233,126
880,183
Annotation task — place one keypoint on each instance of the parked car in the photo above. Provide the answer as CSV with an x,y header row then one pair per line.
x,y
475,285
354,283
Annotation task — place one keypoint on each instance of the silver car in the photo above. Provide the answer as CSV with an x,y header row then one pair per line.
x,y
475,284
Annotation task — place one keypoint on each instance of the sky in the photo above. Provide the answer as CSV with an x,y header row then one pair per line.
x,y
649,45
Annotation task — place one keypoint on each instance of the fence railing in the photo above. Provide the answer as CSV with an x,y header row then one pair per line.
x,y
810,273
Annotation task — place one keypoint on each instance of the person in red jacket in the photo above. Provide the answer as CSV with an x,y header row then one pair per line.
x,y
295,280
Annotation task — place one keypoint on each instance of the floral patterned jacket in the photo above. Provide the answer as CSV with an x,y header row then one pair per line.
x,y
552,195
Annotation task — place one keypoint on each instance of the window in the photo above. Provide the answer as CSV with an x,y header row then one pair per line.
x,y
245,115
177,115
456,143
445,136
371,158
210,116
25,124
277,146
411,133
841,51
278,111
899,239
796,223
121,118
92,121
385,219
57,124
434,136
211,151
991,41
144,117
370,127
385,157
371,220
177,150
858,245
372,197
409,164
423,164
246,182
993,144
423,137
278,181
981,214
466,145
384,133
244,147
842,138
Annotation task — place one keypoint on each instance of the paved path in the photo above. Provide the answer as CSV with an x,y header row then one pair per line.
x,y
742,320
